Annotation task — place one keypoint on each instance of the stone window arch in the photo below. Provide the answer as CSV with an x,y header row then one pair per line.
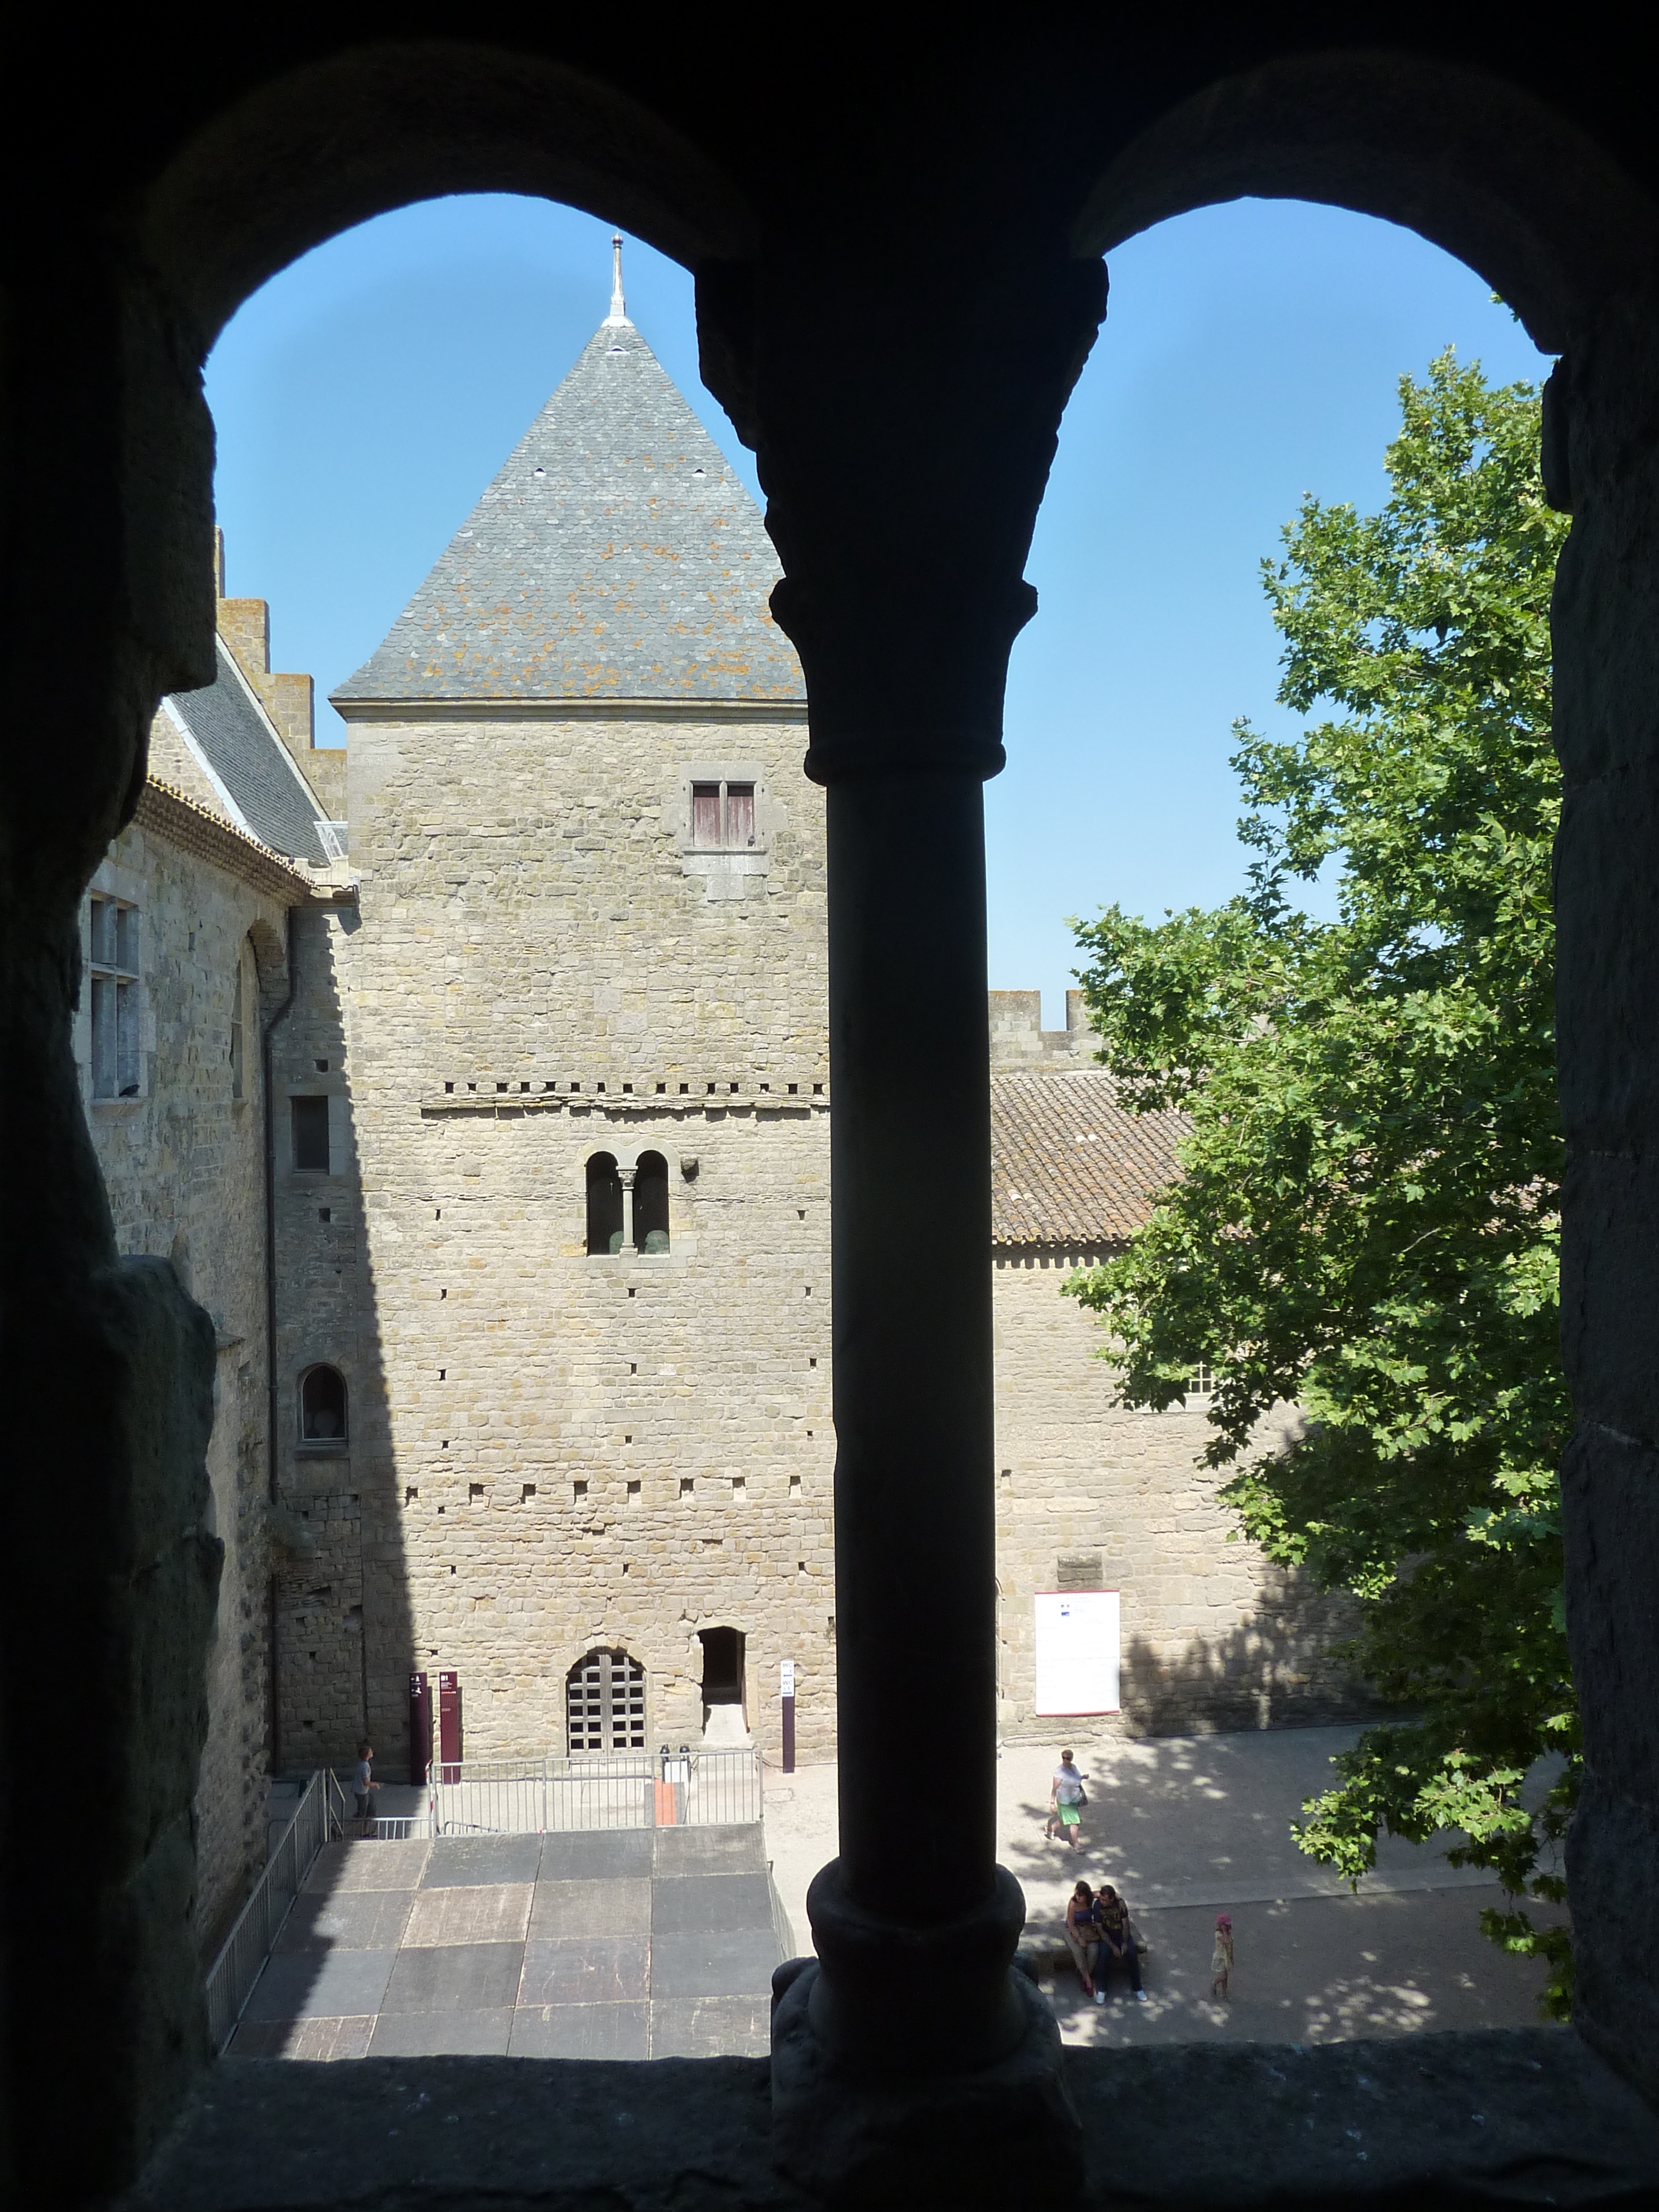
x,y
650,1203
323,1406
605,1205
605,1702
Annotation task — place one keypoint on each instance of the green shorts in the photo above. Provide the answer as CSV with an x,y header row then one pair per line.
x,y
1070,1816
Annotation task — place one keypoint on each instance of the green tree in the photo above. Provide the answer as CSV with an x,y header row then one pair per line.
x,y
1367,1222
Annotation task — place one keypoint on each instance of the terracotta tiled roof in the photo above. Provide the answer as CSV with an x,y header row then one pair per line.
x,y
1068,1165
184,822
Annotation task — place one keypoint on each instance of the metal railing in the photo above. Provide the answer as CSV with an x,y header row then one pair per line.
x,y
319,1815
395,1827
559,1794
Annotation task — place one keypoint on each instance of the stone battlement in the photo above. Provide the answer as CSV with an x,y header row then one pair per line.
x,y
1019,1040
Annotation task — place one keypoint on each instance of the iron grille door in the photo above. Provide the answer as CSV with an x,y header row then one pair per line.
x,y
605,1702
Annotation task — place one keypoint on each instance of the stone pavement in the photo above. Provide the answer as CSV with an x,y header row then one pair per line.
x,y
622,1944
1186,1827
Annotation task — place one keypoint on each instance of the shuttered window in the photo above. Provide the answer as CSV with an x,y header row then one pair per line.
x,y
705,816
722,817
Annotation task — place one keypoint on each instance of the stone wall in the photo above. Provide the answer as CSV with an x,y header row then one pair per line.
x,y
325,1315
1212,1635
183,1163
1019,1040
551,1452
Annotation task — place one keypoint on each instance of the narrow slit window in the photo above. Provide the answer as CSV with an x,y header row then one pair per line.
x,y
310,1120
238,1072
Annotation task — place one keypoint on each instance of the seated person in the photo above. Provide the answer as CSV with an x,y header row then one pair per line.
x,y
1083,1937
1117,1943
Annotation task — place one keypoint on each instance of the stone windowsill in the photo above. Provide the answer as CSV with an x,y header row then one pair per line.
x,y
1520,2116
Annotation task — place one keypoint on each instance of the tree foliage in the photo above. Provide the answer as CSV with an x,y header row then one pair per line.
x,y
1367,1221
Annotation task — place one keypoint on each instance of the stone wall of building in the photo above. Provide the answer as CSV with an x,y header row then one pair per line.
x,y
183,1163
551,1452
324,1315
1212,1635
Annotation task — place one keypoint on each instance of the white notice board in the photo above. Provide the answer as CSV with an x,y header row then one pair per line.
x,y
1077,1650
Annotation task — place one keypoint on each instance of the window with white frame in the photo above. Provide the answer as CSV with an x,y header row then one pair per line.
x,y
112,969
1201,1383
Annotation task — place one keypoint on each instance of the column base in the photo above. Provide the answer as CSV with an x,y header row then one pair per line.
x,y
994,2135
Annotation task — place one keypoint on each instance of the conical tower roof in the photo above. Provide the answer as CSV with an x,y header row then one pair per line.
x,y
615,557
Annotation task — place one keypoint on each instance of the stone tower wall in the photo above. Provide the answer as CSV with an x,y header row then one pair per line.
x,y
540,968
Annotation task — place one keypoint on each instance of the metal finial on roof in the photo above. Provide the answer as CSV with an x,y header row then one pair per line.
x,y
618,313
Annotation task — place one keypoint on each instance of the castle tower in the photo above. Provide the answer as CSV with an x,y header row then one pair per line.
x,y
580,1186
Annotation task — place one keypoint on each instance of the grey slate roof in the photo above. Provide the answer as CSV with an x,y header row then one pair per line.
x,y
250,759
1069,1166
616,556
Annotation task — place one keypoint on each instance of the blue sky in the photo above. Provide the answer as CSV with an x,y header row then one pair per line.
x,y
1251,353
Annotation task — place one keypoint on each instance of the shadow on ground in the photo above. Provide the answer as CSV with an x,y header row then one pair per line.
x,y
638,1944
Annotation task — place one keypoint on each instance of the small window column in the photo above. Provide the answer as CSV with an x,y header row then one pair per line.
x,y
628,1175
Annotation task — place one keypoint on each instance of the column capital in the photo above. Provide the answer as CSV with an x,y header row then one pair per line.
x,y
904,402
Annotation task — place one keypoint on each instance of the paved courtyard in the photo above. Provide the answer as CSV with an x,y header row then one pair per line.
x,y
1187,1827
633,1944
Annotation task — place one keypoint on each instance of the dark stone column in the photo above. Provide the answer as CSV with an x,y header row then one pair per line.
x,y
106,451
905,411
1601,457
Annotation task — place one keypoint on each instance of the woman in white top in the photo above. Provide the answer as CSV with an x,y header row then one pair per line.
x,y
1067,1799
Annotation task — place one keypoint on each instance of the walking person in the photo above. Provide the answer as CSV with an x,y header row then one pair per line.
x,y
1117,1943
1067,1799
365,1784
1221,1958
1083,1937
